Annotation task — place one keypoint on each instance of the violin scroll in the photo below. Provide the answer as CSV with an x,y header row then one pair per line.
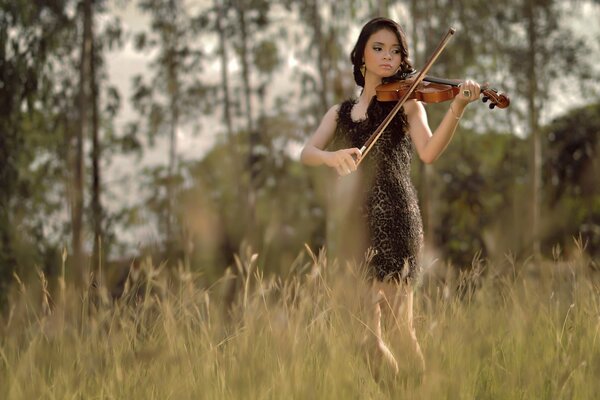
x,y
496,99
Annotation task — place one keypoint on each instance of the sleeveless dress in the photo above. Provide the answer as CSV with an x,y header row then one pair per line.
x,y
387,206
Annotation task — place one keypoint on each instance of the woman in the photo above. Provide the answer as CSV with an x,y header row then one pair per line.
x,y
384,201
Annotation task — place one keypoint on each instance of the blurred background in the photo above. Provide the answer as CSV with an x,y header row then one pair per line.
x,y
172,129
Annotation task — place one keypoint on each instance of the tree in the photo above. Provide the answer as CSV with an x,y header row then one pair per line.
x,y
91,78
86,83
477,185
27,42
252,16
175,94
538,56
102,138
526,47
429,20
571,168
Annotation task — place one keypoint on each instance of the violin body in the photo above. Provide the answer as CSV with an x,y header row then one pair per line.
x,y
436,90
426,92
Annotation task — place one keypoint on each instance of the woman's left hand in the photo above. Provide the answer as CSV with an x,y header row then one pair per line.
x,y
469,91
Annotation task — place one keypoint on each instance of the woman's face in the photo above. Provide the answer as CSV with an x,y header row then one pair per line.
x,y
382,54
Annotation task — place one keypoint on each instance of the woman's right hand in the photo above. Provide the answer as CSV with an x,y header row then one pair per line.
x,y
343,160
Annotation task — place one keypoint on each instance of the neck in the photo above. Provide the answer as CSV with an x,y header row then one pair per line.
x,y
371,82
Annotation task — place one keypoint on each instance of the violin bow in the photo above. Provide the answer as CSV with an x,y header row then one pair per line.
x,y
384,124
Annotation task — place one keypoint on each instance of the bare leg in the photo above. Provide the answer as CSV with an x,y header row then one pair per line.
x,y
411,327
380,358
399,299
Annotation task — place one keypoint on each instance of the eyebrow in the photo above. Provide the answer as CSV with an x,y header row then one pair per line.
x,y
383,44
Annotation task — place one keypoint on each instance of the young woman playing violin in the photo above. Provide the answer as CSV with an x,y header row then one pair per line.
x,y
384,214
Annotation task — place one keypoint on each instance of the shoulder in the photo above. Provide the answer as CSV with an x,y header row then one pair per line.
x,y
334,110
342,110
331,116
329,121
343,106
339,111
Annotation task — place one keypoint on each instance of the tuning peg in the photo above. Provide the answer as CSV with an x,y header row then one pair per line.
x,y
485,99
492,105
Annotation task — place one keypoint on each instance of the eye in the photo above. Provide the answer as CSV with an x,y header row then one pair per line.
x,y
376,48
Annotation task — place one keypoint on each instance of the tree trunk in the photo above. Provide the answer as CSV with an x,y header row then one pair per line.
x,y
318,32
97,213
82,133
9,146
534,131
253,138
174,122
7,258
224,75
227,116
244,59
173,92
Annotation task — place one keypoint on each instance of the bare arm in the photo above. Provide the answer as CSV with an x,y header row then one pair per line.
x,y
429,145
313,153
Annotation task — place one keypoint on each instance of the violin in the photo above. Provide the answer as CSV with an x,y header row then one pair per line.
x,y
436,90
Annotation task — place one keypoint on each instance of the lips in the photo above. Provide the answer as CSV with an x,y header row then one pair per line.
x,y
386,66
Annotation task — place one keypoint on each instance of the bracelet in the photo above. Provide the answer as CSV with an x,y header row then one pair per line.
x,y
453,113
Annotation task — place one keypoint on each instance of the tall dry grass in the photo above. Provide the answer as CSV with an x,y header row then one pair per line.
x,y
508,330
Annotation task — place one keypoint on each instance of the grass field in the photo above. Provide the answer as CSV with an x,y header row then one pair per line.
x,y
507,330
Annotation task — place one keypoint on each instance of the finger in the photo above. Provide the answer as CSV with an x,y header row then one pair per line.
x,y
465,88
346,160
349,163
475,89
470,90
338,167
344,165
354,153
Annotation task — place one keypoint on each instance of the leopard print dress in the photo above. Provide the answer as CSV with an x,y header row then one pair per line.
x,y
388,205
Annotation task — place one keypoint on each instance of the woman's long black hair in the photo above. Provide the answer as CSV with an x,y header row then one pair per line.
x,y
357,55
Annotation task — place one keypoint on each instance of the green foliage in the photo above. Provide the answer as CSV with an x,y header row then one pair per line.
x,y
29,34
483,181
39,45
288,209
266,57
571,177
171,99
174,94
481,178
571,152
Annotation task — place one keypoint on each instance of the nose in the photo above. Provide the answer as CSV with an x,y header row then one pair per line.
x,y
387,55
